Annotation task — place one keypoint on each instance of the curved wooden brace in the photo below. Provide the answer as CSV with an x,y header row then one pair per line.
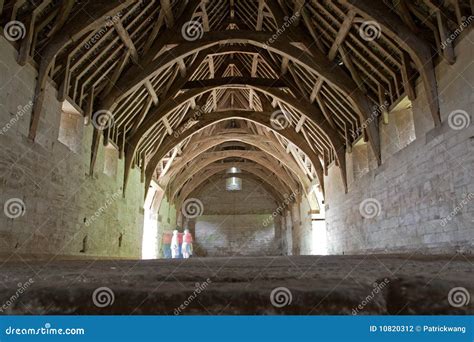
x,y
92,16
277,196
261,118
302,106
418,49
255,157
253,140
316,62
180,180
206,174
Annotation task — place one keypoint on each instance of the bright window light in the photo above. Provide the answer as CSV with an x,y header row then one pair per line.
x,y
234,184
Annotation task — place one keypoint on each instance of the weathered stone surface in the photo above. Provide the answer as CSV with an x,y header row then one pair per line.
x,y
64,209
376,284
424,187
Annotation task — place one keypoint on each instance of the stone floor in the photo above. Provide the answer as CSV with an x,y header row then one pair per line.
x,y
375,284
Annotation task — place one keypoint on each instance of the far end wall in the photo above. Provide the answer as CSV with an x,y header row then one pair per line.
x,y
236,222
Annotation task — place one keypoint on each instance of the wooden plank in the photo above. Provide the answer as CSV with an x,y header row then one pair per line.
x,y
168,12
342,34
152,92
316,89
408,77
261,6
446,43
127,40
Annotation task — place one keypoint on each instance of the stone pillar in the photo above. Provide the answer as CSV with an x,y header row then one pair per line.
x,y
296,231
288,231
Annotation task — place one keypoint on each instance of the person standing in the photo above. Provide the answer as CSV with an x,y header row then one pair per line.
x,y
175,245
187,248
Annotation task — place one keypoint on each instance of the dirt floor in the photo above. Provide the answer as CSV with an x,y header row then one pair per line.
x,y
306,285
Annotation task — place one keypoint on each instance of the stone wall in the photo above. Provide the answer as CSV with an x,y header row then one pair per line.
x,y
302,231
236,222
63,211
423,192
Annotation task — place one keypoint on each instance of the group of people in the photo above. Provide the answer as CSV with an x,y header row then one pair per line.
x,y
178,245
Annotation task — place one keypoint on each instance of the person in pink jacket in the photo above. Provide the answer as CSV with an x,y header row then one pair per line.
x,y
187,247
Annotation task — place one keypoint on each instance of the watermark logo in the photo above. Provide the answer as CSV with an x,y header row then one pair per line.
x,y
103,119
199,287
377,110
452,37
99,34
370,208
199,111
103,208
14,208
14,30
459,119
286,24
192,208
281,297
370,30
280,120
377,288
20,290
21,111
103,297
458,297
192,30
281,208
457,209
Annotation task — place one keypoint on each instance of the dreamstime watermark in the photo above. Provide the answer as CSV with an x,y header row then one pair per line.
x,y
14,30
452,37
103,208
457,209
20,290
21,111
459,297
197,114
14,208
103,297
103,119
278,211
459,119
46,330
192,208
200,287
370,208
109,22
286,25
192,30
377,110
370,30
377,288
281,297
280,120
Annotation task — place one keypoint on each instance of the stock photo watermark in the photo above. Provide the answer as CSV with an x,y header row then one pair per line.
x,y
14,208
21,288
192,208
199,288
287,23
21,111
370,208
103,297
377,288
108,202
281,208
281,297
